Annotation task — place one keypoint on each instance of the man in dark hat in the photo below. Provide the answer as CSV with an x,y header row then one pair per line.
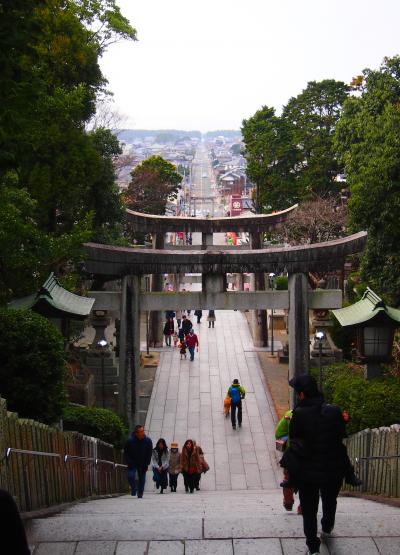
x,y
320,428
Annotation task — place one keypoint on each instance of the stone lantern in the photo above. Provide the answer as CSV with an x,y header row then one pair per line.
x,y
373,325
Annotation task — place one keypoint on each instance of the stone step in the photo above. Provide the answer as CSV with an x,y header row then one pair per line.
x,y
96,362
108,379
210,515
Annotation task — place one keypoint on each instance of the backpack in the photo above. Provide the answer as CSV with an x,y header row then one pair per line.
x,y
235,394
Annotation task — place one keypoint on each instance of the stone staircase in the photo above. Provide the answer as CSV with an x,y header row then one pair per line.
x,y
250,522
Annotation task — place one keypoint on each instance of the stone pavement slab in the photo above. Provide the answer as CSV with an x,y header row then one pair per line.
x,y
388,546
166,548
131,548
95,527
55,548
298,547
187,402
218,547
97,547
270,546
352,546
253,527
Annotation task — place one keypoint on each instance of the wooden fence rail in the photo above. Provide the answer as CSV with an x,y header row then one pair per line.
x,y
376,456
42,466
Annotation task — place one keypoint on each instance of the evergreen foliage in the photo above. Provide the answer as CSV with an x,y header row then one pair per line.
x,y
96,422
368,139
54,176
292,157
370,403
32,368
270,155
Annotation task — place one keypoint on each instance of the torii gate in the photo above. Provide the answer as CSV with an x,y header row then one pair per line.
x,y
254,224
130,264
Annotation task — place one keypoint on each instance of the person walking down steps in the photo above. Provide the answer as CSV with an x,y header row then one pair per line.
x,y
198,313
211,318
282,437
168,331
186,325
317,428
236,393
192,343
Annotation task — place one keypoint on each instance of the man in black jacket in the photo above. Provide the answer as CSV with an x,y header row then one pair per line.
x,y
138,450
186,325
320,429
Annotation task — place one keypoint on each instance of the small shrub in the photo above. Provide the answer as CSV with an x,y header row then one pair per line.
x,y
370,403
342,337
96,422
281,283
32,365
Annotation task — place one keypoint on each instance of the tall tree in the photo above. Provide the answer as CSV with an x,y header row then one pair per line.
x,y
368,139
271,156
154,182
103,197
23,247
50,79
313,114
103,22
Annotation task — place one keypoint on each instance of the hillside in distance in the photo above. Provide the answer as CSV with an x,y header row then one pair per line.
x,y
172,135
159,135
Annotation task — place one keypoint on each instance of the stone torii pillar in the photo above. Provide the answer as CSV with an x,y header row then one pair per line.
x,y
206,240
299,339
260,329
129,350
156,318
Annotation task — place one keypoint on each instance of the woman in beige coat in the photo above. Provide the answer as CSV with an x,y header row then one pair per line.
x,y
174,465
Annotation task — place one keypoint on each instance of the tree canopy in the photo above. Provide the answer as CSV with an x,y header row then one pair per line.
x,y
270,155
291,157
368,139
313,115
153,183
55,176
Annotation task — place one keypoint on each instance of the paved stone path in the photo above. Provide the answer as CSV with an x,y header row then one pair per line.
x,y
187,402
239,508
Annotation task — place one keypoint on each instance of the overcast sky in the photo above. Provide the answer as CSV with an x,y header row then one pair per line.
x,y
209,64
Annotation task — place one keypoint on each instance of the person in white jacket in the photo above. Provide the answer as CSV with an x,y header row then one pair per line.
x,y
160,464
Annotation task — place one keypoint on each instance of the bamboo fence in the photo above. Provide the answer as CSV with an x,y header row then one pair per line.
x,y
42,466
376,456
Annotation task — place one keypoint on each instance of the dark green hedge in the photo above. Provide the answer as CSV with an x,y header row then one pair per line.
x,y
370,403
96,422
281,283
32,365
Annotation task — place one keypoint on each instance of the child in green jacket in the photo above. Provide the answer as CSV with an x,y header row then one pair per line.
x,y
282,432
